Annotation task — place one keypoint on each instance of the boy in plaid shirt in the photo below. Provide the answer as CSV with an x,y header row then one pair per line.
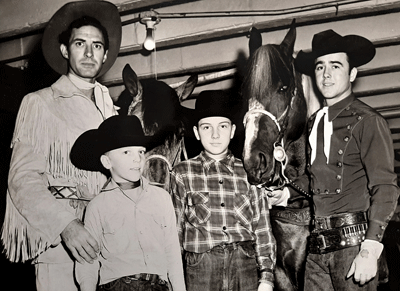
x,y
223,221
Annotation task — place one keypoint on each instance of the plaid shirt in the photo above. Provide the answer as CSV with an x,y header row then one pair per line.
x,y
214,204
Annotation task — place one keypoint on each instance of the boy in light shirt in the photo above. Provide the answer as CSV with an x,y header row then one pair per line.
x,y
132,221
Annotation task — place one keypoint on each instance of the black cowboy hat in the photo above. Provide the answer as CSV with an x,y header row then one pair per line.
x,y
359,50
213,103
115,132
105,12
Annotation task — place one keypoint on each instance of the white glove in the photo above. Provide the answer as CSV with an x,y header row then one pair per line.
x,y
265,287
278,197
365,265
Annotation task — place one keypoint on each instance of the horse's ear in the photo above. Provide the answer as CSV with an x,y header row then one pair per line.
x,y
287,44
186,88
131,80
255,40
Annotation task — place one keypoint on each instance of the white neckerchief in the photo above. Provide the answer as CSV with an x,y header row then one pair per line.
x,y
101,95
328,128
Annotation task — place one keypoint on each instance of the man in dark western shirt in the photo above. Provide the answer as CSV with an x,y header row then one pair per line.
x,y
351,166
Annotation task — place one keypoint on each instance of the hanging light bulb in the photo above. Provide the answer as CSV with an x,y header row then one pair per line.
x,y
149,42
150,19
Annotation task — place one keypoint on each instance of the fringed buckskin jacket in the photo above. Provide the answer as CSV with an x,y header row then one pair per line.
x,y
48,123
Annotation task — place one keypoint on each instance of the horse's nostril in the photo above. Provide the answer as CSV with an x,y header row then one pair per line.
x,y
263,162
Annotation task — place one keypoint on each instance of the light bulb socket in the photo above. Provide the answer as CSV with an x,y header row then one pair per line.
x,y
150,19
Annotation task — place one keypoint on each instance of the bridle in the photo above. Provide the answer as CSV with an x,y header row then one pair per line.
x,y
170,165
279,152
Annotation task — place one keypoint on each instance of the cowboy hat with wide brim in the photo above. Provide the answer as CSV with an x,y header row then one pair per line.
x,y
359,50
105,12
115,132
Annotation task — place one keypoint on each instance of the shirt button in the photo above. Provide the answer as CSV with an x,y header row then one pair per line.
x,y
348,127
340,152
222,204
379,236
339,164
346,139
326,191
338,191
224,228
359,117
338,177
221,181
318,191
382,227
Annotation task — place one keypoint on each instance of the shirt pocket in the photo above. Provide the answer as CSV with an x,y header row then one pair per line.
x,y
243,209
199,207
115,236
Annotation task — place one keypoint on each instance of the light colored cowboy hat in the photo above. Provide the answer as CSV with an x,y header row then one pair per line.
x,y
105,12
359,50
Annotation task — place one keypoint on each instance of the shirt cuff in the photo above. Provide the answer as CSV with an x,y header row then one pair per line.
x,y
375,230
267,276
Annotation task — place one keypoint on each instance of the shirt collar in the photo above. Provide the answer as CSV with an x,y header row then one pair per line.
x,y
63,87
228,161
338,107
111,185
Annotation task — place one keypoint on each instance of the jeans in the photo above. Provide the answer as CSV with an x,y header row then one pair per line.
x,y
328,272
126,284
232,267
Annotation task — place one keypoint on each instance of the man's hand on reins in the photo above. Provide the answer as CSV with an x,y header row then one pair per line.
x,y
80,242
278,197
365,265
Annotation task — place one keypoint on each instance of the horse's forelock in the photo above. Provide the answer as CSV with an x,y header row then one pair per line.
x,y
258,69
264,60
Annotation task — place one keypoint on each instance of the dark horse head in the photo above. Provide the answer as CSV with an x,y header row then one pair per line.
x,y
277,115
159,108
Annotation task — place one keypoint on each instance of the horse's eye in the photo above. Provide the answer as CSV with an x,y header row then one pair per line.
x,y
283,88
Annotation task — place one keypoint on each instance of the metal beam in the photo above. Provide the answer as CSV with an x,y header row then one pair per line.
x,y
133,6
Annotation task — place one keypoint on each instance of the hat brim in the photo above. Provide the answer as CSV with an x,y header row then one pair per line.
x,y
359,50
204,114
105,12
89,146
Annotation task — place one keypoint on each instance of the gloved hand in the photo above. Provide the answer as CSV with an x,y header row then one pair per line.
x,y
365,265
278,197
265,287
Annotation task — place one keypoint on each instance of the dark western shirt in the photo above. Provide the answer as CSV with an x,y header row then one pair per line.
x,y
360,174
215,204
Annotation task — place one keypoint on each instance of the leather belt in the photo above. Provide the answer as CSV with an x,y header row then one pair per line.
x,y
152,278
339,220
232,246
337,232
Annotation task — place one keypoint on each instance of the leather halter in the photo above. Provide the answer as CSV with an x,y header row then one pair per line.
x,y
169,164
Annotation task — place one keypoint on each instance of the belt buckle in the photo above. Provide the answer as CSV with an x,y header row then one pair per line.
x,y
320,236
